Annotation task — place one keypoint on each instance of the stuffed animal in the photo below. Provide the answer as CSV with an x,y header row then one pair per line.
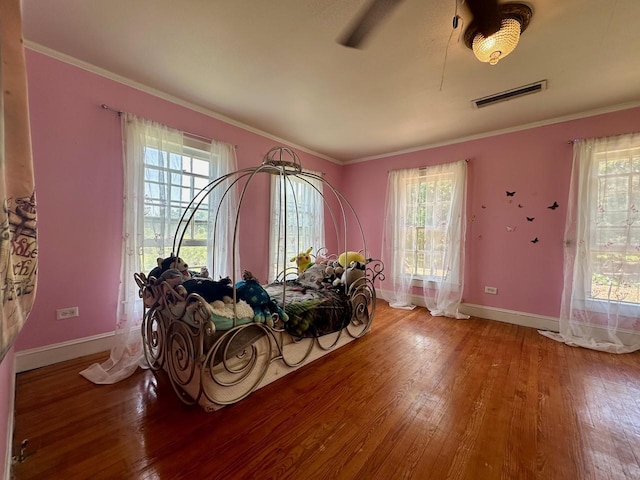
x,y
171,261
346,258
250,290
203,273
332,271
155,296
347,269
350,275
303,260
209,289
173,277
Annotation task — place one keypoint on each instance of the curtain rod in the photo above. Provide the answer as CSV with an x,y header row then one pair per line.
x,y
575,140
190,134
425,167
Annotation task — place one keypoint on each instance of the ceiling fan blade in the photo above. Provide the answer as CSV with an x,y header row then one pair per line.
x,y
485,15
367,21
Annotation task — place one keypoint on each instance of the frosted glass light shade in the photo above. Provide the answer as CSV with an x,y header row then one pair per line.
x,y
500,44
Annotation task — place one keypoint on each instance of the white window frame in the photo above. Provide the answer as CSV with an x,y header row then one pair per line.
x,y
437,226
180,185
598,211
305,220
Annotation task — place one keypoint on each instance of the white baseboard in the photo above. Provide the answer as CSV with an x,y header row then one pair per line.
x,y
60,352
524,319
539,322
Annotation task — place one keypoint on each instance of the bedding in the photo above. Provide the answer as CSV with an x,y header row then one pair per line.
x,y
313,311
220,313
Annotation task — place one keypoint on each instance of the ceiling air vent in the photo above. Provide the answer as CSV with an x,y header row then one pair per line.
x,y
510,94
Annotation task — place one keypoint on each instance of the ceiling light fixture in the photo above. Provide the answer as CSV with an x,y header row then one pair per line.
x,y
514,19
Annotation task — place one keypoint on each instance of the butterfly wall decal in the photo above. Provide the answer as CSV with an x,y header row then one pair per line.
x,y
530,219
520,205
535,240
511,229
554,206
510,194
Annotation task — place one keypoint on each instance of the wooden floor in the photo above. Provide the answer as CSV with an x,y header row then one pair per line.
x,y
418,397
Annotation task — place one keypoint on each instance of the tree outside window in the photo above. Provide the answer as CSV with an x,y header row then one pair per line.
x,y
615,255
171,181
428,200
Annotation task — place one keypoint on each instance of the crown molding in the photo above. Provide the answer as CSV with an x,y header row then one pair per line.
x,y
165,96
518,128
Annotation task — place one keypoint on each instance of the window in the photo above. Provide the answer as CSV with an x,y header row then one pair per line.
x,y
601,296
172,177
423,237
428,199
615,246
301,204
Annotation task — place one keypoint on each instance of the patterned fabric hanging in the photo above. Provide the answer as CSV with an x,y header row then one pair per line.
x,y
18,233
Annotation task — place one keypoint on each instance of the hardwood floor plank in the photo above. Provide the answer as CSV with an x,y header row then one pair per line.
x,y
492,432
416,398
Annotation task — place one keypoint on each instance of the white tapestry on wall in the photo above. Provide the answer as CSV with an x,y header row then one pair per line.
x,y
18,234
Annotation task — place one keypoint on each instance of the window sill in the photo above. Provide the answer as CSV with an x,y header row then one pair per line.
x,y
431,282
625,309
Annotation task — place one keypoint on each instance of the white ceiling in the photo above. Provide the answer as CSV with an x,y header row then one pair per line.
x,y
275,65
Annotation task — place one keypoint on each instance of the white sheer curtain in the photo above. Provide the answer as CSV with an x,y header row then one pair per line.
x,y
153,141
304,214
220,250
601,297
423,236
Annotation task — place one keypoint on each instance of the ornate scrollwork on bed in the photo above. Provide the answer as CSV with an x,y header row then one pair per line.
x,y
218,353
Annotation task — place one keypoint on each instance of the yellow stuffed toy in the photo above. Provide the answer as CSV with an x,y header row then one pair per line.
x,y
303,260
346,258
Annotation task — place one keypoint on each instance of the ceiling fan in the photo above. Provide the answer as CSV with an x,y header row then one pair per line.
x,y
488,17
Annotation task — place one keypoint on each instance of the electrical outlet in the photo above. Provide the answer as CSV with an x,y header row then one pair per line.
x,y
64,313
491,290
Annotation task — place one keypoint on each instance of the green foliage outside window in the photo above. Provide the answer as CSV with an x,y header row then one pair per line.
x,y
428,200
615,260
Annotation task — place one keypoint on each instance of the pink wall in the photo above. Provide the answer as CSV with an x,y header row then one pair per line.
x,y
77,149
536,164
78,168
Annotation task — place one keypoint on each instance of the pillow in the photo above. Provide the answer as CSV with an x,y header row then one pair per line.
x,y
312,276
